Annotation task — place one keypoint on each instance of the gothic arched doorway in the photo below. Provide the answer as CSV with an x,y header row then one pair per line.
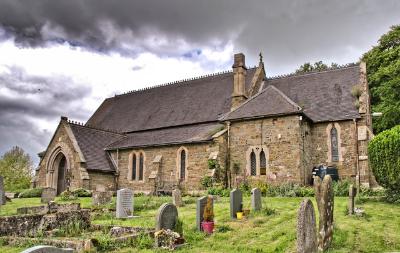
x,y
60,166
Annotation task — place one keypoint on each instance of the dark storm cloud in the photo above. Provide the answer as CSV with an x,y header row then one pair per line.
x,y
26,99
287,31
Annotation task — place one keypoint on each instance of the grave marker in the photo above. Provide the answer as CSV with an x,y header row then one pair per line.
x,y
256,203
236,200
166,217
177,197
101,197
200,205
124,203
2,192
47,249
48,194
352,195
306,228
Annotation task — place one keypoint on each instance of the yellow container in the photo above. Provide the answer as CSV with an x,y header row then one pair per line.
x,y
239,215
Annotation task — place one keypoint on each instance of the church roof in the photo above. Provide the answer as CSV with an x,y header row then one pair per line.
x,y
324,95
167,136
191,101
270,101
92,142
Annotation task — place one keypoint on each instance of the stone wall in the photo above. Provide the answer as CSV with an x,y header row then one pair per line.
x,y
197,166
105,179
281,139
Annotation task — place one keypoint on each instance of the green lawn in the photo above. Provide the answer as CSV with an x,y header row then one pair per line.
x,y
377,231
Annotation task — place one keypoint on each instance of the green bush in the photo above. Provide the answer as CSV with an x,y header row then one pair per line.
x,y
206,182
80,192
341,188
289,190
384,157
31,193
67,195
219,191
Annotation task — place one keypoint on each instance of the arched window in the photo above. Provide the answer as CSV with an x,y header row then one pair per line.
x,y
334,145
253,165
133,167
263,163
183,164
141,166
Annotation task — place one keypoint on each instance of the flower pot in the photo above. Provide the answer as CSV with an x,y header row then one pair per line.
x,y
208,226
239,215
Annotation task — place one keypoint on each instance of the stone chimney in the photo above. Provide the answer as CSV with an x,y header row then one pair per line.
x,y
239,81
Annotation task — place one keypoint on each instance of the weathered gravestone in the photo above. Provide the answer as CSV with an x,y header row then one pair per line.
x,y
200,205
236,200
177,197
256,199
166,217
101,197
352,195
325,200
124,203
2,192
48,194
47,249
306,228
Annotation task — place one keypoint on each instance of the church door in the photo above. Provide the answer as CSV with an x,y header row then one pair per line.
x,y
61,180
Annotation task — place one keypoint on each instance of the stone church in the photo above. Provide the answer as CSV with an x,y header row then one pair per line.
x,y
264,129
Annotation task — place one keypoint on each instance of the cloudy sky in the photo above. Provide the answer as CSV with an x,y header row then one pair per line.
x,y
65,57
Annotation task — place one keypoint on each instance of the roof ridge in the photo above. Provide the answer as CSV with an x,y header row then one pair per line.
x,y
81,124
332,68
180,82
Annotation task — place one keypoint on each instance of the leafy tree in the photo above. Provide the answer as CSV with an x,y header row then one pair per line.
x,y
383,72
16,168
317,66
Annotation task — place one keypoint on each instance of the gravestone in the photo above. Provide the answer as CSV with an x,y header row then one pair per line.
x,y
256,203
2,192
200,205
124,203
236,200
166,217
177,197
306,228
100,188
325,200
47,249
48,194
352,195
101,197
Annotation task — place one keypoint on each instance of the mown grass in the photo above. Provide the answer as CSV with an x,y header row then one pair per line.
x,y
271,230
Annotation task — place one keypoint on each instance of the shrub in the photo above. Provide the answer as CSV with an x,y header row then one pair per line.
x,y
80,192
67,195
341,188
208,214
31,193
206,182
219,191
384,157
289,190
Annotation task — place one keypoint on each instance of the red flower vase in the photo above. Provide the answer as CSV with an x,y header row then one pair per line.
x,y
208,226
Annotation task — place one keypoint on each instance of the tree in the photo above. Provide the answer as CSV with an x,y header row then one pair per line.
x,y
16,168
383,73
317,66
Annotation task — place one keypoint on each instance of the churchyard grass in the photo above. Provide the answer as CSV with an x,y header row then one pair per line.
x,y
273,229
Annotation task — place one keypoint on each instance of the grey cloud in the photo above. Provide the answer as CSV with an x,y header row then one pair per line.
x,y
288,32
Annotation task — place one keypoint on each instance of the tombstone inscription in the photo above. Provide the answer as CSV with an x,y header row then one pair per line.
x,y
256,203
236,200
166,217
124,203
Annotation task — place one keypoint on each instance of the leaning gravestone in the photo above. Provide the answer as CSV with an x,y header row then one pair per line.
x,y
2,192
48,194
166,217
325,200
177,197
256,199
200,205
124,203
236,200
47,249
352,195
306,228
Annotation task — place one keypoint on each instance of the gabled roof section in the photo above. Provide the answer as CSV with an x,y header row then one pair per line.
x,y
325,95
268,102
188,102
92,142
168,136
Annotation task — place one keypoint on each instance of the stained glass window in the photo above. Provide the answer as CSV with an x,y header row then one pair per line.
x,y
141,166
263,163
253,166
133,167
183,164
334,145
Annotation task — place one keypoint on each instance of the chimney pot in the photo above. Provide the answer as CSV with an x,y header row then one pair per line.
x,y
239,61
